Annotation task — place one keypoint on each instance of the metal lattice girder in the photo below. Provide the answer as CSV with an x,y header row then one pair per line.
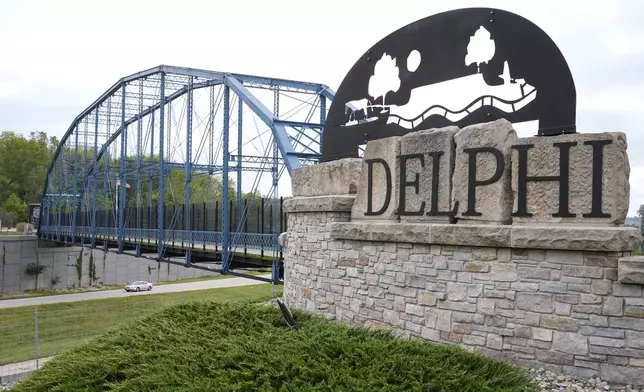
x,y
131,137
279,132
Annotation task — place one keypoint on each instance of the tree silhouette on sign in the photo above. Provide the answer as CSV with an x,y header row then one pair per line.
x,y
480,49
385,78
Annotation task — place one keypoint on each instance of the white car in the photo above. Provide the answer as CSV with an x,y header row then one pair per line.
x,y
138,286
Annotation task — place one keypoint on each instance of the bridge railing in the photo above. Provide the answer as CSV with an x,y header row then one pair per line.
x,y
185,238
252,227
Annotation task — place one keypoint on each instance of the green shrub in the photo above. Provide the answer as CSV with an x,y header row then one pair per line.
x,y
34,269
204,346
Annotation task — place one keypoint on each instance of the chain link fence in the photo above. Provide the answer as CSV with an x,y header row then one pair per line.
x,y
30,335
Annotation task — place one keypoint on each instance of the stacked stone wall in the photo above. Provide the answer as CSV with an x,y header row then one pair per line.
x,y
511,247
564,310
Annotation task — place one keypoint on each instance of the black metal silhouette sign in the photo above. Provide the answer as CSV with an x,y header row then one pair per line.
x,y
459,67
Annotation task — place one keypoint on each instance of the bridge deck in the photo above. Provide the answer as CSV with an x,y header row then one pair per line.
x,y
205,247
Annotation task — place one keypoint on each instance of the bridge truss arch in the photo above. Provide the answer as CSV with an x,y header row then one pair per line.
x,y
157,167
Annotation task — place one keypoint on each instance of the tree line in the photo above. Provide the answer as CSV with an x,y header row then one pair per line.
x,y
23,167
24,161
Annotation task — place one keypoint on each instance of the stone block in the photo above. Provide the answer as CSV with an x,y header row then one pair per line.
x,y
456,291
282,239
579,371
535,302
601,287
556,358
430,334
458,306
601,261
615,360
613,306
585,238
462,328
429,166
415,310
391,317
617,352
541,157
627,290
471,235
375,325
429,298
582,272
621,374
458,317
473,340
564,257
598,321
486,306
525,286
570,343
608,342
553,287
594,309
495,321
635,339
542,334
379,180
610,274
494,341
484,254
451,337
636,362
380,232
523,332
630,270
486,149
319,204
596,238
443,319
338,177
504,272
562,309
477,267
565,324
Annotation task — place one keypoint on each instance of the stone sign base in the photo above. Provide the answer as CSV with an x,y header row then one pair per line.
x,y
539,296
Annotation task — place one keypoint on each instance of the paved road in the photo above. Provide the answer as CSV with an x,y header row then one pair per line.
x,y
169,288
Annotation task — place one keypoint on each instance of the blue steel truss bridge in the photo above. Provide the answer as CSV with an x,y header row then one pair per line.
x,y
183,165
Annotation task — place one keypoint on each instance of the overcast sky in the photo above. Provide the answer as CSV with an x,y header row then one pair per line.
x,y
56,57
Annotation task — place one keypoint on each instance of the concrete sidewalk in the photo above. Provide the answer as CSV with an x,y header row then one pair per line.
x,y
19,370
168,288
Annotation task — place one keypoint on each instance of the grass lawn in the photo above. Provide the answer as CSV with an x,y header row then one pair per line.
x,y
209,346
45,293
65,325
262,271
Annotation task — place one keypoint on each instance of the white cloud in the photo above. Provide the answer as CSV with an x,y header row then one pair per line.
x,y
637,188
8,89
620,99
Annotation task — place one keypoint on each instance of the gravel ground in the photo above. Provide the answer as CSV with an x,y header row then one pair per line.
x,y
548,381
6,387
551,382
